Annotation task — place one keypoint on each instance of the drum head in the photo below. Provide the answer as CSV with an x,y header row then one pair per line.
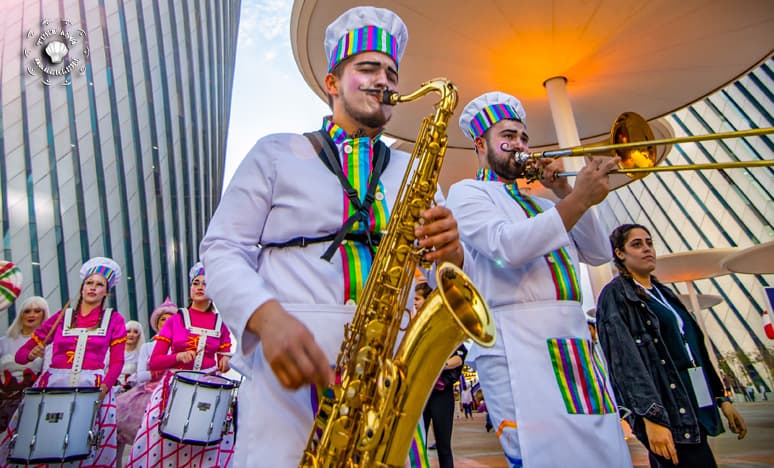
x,y
60,390
204,380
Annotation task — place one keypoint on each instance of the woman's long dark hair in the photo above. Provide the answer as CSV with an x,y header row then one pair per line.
x,y
211,308
618,241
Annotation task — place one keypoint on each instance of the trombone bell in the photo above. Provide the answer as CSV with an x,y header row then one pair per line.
x,y
629,127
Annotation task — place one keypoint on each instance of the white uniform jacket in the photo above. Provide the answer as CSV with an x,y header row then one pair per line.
x,y
281,191
508,247
555,387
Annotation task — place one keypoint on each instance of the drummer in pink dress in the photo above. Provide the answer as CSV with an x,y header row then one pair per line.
x,y
193,339
81,338
130,405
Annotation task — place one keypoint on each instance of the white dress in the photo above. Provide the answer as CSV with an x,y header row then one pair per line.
x,y
130,367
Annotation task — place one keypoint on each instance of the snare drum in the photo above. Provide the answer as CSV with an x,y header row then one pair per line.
x,y
199,410
55,424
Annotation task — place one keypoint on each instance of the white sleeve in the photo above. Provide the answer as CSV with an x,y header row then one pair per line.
x,y
143,374
591,239
230,249
485,227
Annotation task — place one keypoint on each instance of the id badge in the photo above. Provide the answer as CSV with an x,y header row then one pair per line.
x,y
700,389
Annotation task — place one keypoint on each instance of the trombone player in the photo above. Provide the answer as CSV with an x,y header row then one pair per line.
x,y
542,383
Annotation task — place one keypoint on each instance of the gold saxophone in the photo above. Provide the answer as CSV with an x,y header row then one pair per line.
x,y
368,417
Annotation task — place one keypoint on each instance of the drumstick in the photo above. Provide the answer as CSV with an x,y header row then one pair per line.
x,y
58,319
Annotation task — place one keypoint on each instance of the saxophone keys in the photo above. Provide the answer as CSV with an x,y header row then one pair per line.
x,y
370,435
363,359
339,435
375,329
387,377
352,395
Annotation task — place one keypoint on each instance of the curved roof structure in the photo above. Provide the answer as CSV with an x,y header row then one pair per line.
x,y
707,59
758,260
648,56
692,265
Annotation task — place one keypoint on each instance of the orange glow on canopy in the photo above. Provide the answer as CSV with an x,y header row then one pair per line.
x,y
523,62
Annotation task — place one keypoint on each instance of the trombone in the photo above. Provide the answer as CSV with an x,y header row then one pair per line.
x,y
632,140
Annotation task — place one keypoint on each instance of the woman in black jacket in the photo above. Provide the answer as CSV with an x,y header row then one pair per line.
x,y
659,364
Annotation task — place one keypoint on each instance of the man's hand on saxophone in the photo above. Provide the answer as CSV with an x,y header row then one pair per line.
x,y
438,234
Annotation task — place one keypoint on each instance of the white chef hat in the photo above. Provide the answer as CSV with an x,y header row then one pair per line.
x,y
103,266
591,316
196,270
488,109
363,29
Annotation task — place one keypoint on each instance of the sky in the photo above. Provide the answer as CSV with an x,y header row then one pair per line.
x,y
269,94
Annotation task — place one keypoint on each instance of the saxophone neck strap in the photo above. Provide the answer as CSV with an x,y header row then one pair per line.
x,y
329,155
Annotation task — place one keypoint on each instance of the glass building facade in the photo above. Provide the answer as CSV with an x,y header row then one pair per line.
x,y
116,148
715,209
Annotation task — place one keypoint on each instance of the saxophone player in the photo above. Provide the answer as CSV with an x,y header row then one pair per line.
x,y
526,250
289,248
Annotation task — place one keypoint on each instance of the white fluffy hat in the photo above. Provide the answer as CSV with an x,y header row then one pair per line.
x,y
488,109
103,266
196,270
591,316
364,29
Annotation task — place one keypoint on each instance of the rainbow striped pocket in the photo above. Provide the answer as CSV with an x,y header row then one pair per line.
x,y
580,376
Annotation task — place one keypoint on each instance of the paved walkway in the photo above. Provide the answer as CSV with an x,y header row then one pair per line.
x,y
474,447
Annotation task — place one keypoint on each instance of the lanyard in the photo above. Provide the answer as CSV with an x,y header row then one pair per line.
x,y
662,300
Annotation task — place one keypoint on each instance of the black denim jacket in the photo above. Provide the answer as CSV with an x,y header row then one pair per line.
x,y
644,377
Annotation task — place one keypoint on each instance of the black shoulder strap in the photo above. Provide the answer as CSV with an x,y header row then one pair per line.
x,y
328,154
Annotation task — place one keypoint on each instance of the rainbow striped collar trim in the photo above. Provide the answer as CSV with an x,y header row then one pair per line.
x,y
365,39
489,175
338,135
490,115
